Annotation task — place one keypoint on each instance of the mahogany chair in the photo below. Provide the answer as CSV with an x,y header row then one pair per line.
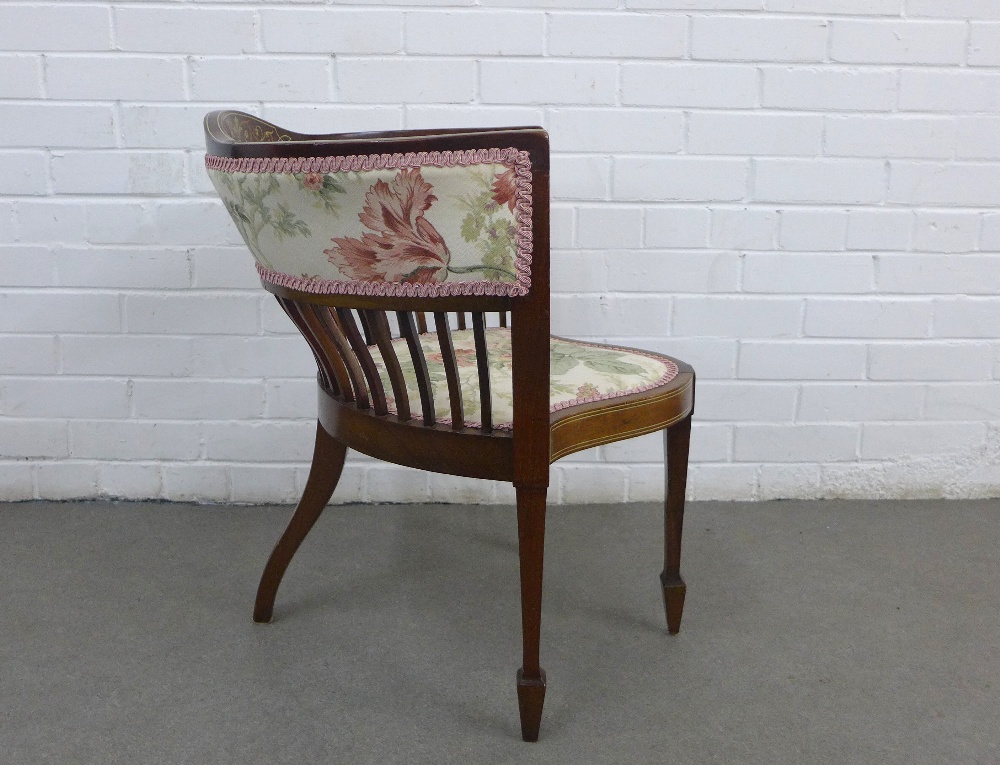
x,y
362,237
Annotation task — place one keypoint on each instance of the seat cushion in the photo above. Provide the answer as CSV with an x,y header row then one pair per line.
x,y
579,373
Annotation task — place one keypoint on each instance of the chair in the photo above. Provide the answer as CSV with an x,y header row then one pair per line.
x,y
416,266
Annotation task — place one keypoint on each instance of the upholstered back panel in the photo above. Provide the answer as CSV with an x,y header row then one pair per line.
x,y
420,224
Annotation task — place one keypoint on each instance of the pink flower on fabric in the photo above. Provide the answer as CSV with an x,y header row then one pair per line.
x,y
402,246
587,390
504,189
313,181
464,357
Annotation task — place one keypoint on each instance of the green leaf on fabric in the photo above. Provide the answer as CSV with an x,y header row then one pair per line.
x,y
561,363
614,367
472,225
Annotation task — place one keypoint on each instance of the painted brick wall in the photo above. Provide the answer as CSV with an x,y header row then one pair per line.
x,y
797,196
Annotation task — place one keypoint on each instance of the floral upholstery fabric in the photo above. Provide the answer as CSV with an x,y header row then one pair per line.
x,y
405,228
580,372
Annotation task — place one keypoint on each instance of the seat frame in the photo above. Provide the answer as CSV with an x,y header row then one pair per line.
x,y
520,455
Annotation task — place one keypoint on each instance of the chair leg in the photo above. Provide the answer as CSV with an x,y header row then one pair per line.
x,y
327,465
531,545
676,441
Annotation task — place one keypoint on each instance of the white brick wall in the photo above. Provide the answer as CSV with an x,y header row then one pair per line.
x,y
797,196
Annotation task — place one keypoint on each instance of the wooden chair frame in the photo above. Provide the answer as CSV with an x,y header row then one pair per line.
x,y
352,401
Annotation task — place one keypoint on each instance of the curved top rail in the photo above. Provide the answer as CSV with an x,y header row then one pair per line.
x,y
230,133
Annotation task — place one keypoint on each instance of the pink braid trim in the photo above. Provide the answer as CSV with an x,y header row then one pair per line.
x,y
395,289
367,162
519,161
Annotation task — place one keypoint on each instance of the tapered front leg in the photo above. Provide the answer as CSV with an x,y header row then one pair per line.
x,y
676,442
531,545
327,465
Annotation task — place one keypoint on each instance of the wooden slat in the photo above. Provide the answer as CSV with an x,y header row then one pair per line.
x,y
503,318
325,378
461,319
408,330
365,360
318,325
328,349
483,364
379,325
450,370
307,325
421,322
369,334
354,372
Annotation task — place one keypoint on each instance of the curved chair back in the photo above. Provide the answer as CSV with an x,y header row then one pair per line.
x,y
361,235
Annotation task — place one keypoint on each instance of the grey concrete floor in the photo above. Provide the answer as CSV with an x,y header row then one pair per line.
x,y
824,632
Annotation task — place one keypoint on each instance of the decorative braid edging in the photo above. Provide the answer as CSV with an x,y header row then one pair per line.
x,y
397,289
367,162
519,161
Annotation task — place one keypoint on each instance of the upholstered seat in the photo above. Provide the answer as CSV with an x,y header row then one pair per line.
x,y
580,373
379,247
